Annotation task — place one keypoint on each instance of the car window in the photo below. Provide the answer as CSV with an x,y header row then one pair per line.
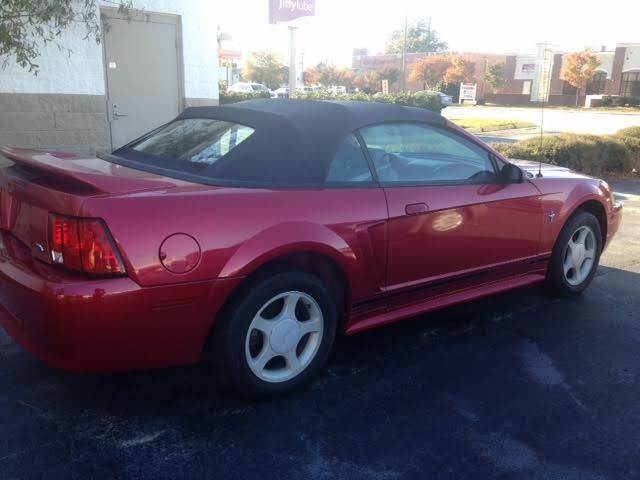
x,y
420,153
194,140
349,163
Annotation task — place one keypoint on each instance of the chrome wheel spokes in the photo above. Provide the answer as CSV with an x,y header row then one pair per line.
x,y
579,255
284,336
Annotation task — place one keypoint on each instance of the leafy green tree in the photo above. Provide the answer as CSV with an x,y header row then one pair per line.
x,y
265,68
420,38
496,75
28,25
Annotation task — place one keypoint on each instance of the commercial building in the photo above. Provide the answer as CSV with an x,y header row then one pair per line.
x,y
88,97
530,77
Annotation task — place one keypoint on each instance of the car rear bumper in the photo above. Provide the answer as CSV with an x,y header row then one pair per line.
x,y
103,324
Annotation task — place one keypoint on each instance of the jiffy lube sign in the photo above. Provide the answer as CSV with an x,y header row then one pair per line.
x,y
286,10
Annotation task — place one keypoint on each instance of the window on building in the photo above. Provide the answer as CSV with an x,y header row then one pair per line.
x,y
630,86
596,85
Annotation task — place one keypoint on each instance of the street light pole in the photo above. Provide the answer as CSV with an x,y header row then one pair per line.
x,y
292,60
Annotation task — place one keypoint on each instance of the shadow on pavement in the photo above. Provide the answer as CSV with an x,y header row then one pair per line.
x,y
519,385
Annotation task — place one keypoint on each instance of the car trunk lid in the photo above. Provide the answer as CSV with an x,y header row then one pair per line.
x,y
35,183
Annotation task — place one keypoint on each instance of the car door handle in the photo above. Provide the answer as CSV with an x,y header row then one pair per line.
x,y
416,208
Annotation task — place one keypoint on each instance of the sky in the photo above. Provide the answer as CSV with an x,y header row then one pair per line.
x,y
487,26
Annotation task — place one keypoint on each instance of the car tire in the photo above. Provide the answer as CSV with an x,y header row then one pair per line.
x,y
572,267
270,316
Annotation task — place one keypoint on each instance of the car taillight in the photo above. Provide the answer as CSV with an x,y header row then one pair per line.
x,y
83,245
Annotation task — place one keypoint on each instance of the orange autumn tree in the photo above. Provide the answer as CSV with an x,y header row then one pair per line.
x,y
461,70
368,81
430,71
579,68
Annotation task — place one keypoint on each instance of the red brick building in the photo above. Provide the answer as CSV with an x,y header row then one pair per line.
x,y
530,77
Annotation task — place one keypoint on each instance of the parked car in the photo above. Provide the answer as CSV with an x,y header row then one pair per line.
x,y
445,100
248,87
308,89
282,92
250,235
337,90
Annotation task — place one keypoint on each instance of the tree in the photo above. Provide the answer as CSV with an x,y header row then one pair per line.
x,y
420,38
311,76
265,68
345,77
391,74
329,75
28,25
580,67
496,75
460,70
430,71
368,82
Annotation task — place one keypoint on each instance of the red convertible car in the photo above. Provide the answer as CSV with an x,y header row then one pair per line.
x,y
250,235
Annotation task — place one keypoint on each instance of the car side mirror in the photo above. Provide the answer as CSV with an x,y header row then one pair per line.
x,y
511,174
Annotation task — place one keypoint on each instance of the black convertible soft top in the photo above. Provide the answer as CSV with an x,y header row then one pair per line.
x,y
294,140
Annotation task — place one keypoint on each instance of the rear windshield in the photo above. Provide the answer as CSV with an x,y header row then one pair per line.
x,y
194,140
237,148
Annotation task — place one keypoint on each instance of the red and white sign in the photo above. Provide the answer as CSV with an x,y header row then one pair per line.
x,y
287,10
229,54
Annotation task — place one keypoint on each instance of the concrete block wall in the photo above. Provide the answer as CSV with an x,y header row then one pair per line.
x,y
76,123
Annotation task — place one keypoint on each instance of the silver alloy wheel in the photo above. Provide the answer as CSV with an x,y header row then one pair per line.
x,y
579,255
284,337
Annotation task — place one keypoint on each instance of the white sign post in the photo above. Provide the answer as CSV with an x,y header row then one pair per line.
x,y
467,93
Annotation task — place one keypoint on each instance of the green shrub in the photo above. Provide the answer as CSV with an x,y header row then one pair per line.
x,y
629,132
630,101
428,101
616,101
633,145
590,154
233,97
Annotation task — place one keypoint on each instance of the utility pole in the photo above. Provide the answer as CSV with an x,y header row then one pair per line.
x,y
301,68
404,54
429,35
292,60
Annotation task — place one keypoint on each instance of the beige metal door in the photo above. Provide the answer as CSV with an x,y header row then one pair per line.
x,y
142,65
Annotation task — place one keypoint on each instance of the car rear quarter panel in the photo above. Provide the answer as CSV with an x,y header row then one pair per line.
x,y
240,229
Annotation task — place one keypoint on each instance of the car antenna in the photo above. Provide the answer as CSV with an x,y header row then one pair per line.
x,y
541,137
545,89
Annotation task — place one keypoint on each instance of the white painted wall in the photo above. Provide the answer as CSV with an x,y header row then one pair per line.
x,y
631,58
606,62
60,72
525,60
82,72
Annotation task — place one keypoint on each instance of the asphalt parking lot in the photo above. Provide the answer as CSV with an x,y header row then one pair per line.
x,y
516,386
